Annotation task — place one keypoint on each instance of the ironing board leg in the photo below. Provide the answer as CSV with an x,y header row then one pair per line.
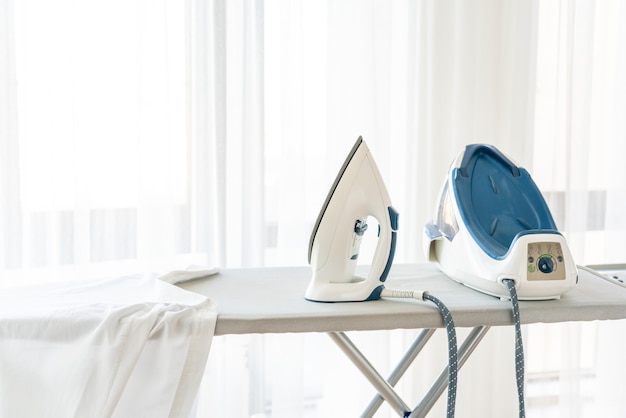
x,y
382,386
437,388
410,355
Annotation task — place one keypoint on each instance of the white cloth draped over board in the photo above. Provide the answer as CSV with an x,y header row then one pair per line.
x,y
131,346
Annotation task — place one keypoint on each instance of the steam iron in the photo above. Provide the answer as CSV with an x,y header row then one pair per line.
x,y
357,193
491,224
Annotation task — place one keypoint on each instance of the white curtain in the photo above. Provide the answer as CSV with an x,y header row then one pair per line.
x,y
141,135
579,140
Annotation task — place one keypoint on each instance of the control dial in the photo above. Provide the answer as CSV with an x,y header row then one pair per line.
x,y
545,264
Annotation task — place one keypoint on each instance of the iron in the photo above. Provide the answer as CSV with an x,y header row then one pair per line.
x,y
357,193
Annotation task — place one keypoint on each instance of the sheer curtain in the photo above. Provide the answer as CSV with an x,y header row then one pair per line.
x,y
97,168
579,138
152,135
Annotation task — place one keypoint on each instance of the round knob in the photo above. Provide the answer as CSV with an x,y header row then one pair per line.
x,y
545,264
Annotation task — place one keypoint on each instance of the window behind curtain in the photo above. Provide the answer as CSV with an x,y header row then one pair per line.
x,y
103,168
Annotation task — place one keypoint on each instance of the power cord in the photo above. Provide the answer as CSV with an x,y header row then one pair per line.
x,y
452,342
519,346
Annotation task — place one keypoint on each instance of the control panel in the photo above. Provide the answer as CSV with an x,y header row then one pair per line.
x,y
545,261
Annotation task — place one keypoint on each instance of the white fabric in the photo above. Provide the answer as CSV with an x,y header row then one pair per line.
x,y
191,273
130,346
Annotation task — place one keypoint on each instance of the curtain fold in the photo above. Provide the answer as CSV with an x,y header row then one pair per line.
x,y
10,211
206,71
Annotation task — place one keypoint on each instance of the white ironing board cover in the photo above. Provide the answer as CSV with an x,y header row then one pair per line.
x,y
271,300
130,346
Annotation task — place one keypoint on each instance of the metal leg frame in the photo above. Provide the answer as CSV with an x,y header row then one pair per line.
x,y
382,386
385,386
410,355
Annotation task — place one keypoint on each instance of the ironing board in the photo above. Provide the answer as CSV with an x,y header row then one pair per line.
x,y
270,300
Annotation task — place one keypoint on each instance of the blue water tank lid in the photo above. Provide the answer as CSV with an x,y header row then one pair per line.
x,y
498,200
